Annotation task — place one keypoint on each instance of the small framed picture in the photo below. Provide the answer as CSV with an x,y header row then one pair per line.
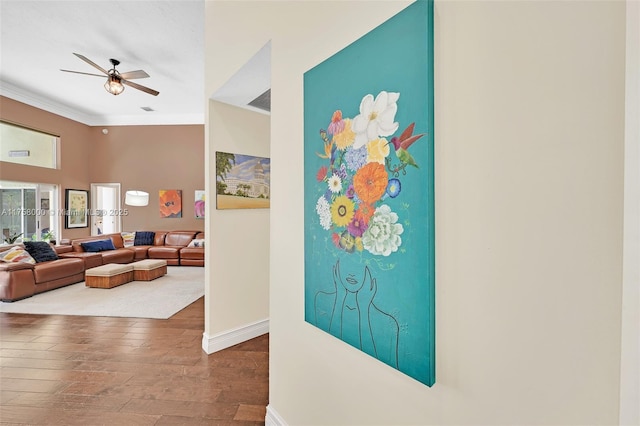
x,y
76,208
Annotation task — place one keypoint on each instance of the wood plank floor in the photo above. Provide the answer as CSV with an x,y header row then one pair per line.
x,y
72,370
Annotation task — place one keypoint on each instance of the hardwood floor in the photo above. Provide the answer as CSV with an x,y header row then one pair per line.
x,y
72,370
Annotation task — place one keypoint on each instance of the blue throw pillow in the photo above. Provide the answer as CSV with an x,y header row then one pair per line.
x,y
98,246
41,251
144,238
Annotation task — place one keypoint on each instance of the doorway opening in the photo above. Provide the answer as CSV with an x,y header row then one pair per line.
x,y
106,208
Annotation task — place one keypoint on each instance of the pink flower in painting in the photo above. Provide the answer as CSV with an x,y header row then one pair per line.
x,y
357,226
337,123
199,207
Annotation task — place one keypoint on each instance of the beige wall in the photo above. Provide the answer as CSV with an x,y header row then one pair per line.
x,y
75,150
529,160
238,262
41,147
148,158
151,158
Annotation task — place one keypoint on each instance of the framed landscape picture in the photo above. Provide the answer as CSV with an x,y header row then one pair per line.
x,y
76,208
242,181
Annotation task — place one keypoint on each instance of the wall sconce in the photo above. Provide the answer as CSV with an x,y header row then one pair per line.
x,y
136,198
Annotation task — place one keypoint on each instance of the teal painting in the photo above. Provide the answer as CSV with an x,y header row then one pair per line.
x,y
369,194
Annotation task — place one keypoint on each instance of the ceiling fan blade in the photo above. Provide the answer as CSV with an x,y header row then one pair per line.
x,y
129,75
85,73
140,87
90,62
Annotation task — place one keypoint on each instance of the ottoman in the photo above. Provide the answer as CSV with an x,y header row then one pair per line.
x,y
149,269
108,276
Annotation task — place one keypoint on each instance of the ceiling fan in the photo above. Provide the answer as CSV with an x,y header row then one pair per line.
x,y
116,81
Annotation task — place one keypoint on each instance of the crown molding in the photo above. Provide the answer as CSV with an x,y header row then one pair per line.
x,y
150,120
16,93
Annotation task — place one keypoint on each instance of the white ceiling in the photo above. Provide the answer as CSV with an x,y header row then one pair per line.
x,y
249,82
164,38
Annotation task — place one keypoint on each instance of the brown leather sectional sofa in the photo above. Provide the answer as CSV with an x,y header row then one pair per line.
x,y
21,280
167,245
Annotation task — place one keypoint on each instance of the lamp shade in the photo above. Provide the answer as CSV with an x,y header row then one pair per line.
x,y
136,198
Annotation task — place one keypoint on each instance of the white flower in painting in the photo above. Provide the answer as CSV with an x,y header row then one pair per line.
x,y
383,234
335,183
376,118
324,213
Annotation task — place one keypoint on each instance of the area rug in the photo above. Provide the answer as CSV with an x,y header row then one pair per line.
x,y
160,298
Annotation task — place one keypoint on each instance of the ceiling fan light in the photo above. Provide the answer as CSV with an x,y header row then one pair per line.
x,y
113,85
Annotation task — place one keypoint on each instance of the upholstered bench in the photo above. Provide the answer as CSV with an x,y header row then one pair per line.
x,y
108,276
149,269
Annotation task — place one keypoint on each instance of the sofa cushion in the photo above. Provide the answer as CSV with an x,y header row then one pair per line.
x,y
41,251
123,255
164,252
128,238
144,238
91,260
159,239
17,254
179,238
116,239
58,270
140,252
98,246
191,253
16,281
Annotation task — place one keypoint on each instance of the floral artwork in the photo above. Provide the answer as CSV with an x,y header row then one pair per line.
x,y
170,203
362,173
369,212
198,206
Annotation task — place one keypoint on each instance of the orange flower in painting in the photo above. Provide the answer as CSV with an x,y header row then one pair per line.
x,y
170,203
364,213
370,182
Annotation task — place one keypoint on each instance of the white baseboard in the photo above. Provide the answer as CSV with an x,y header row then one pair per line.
x,y
229,338
273,418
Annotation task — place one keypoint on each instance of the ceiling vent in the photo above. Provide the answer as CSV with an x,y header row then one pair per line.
x,y
148,109
262,102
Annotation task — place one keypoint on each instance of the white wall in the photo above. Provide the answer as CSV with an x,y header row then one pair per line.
x,y
529,205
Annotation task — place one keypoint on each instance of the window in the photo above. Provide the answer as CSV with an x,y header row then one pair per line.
x,y
28,147
28,212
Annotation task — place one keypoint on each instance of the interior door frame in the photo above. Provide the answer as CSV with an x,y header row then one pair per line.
x,y
97,203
